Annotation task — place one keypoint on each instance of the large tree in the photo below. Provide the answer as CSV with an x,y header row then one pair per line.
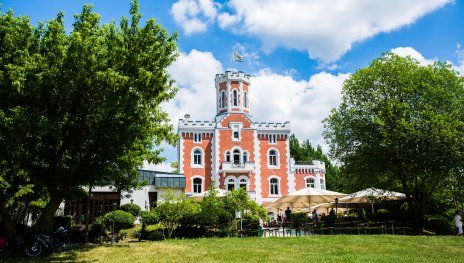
x,y
400,124
79,108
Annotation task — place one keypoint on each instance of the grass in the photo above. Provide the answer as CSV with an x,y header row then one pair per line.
x,y
339,248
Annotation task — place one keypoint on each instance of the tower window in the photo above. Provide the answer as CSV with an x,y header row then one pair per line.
x,y
273,138
274,186
197,137
223,103
197,157
197,182
273,157
235,97
245,99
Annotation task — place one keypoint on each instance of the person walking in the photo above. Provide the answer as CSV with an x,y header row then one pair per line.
x,y
458,222
288,213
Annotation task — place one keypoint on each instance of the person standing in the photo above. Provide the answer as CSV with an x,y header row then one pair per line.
x,y
458,222
288,213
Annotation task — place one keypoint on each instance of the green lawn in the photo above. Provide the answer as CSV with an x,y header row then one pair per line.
x,y
342,248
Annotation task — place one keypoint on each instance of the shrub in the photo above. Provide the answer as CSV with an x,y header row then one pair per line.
x,y
439,224
149,217
132,209
154,232
130,232
120,219
97,231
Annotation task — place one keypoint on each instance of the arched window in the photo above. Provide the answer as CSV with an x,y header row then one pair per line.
x,y
245,99
273,158
235,97
274,186
223,99
310,182
236,156
243,183
197,157
322,184
197,185
245,157
227,156
230,184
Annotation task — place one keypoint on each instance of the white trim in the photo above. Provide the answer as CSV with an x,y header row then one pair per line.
x,y
310,177
247,180
233,98
180,165
216,153
226,182
322,183
291,177
269,166
240,101
229,104
232,126
192,160
279,188
202,182
258,190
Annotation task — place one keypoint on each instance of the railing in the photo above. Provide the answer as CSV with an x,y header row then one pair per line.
x,y
232,166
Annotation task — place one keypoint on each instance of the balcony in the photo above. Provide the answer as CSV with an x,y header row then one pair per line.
x,y
237,167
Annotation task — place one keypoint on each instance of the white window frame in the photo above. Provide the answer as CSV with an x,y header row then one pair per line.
x,y
272,138
235,97
192,156
309,184
225,156
197,137
223,100
272,166
202,183
236,127
242,177
230,178
247,155
278,186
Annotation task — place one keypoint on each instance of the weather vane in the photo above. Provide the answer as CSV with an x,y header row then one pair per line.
x,y
237,56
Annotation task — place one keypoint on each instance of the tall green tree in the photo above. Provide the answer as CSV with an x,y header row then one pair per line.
x,y
79,109
305,153
400,124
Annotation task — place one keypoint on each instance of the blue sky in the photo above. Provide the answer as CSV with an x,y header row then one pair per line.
x,y
298,52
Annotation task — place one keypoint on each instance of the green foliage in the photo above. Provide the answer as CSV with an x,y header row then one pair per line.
x,y
441,225
305,153
97,231
132,209
120,219
400,126
299,218
149,217
155,232
80,108
174,209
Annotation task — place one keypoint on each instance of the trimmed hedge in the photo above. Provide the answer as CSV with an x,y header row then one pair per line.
x,y
131,208
120,219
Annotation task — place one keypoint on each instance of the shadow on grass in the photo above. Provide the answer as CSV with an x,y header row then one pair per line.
x,y
71,255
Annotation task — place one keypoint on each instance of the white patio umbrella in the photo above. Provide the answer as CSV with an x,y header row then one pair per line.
x,y
199,196
371,195
306,197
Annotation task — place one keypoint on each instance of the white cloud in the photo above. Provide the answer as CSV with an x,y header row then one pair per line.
x,y
194,15
460,55
325,29
162,167
194,73
409,51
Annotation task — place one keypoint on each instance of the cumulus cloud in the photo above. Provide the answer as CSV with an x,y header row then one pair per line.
x,y
325,29
194,15
411,52
460,55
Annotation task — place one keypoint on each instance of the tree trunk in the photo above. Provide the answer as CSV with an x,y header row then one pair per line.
x,y
45,222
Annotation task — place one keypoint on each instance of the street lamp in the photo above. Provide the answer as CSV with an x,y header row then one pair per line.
x,y
336,206
112,231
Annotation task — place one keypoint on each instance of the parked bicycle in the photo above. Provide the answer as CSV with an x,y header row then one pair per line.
x,y
57,241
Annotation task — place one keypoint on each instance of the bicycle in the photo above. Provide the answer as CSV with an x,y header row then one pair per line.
x,y
57,241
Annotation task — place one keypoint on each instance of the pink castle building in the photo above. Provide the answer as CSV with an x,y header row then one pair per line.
x,y
233,150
